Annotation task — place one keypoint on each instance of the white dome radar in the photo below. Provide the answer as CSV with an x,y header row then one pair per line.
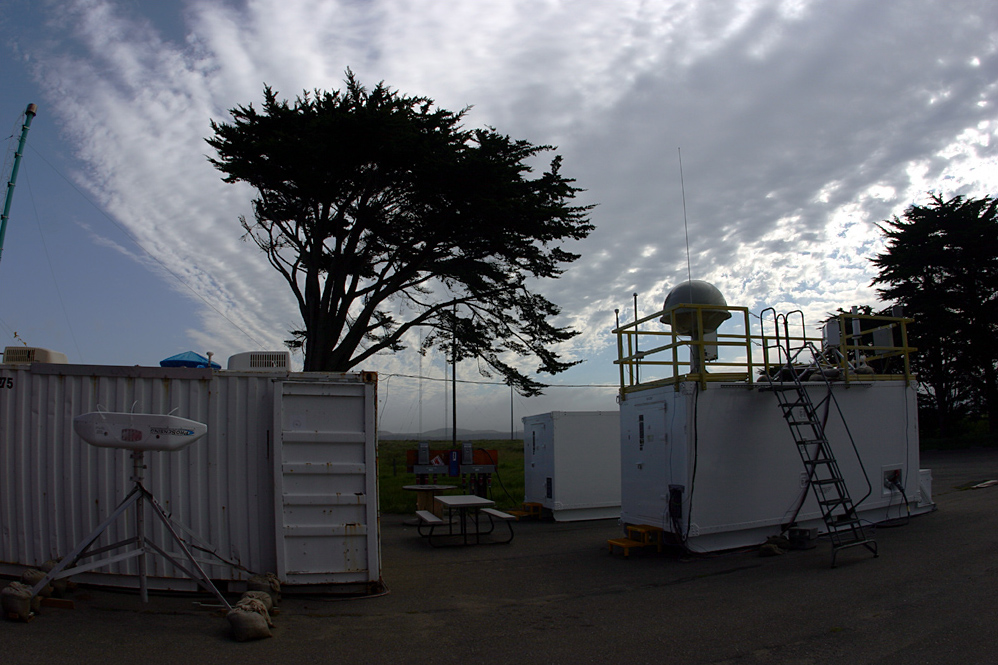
x,y
695,292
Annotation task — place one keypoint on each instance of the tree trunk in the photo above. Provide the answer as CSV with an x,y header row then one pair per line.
x,y
991,396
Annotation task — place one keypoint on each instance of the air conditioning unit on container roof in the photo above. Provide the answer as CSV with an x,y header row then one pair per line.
x,y
274,361
31,354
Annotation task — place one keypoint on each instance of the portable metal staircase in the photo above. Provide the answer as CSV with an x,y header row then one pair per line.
x,y
786,380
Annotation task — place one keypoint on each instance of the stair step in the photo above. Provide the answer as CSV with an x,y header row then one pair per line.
x,y
847,518
528,510
647,534
626,544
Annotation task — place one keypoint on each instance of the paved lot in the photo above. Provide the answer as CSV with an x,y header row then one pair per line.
x,y
555,596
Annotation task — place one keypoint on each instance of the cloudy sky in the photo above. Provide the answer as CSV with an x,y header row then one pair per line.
x,y
801,125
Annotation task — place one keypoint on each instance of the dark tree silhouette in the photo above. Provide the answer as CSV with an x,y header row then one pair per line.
x,y
941,263
384,214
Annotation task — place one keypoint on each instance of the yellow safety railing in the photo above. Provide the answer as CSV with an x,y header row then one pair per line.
x,y
857,348
654,351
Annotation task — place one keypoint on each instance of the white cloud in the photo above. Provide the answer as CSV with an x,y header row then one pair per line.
x,y
801,124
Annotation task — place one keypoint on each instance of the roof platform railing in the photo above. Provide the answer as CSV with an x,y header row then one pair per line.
x,y
652,352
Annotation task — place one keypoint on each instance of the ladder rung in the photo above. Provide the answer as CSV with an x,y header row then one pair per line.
x,y
846,537
861,541
869,543
843,525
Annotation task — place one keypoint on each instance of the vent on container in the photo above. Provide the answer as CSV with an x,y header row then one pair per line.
x,y
30,354
278,361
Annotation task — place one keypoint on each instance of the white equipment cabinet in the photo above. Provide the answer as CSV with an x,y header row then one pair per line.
x,y
285,480
572,463
727,453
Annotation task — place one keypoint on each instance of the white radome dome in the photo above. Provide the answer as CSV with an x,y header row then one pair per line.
x,y
695,292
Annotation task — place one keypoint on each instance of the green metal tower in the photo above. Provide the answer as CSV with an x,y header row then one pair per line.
x,y
28,115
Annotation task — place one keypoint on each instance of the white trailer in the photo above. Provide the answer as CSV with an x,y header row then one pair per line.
x,y
285,480
571,463
730,436
727,454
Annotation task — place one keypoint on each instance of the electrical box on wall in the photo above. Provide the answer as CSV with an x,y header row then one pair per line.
x,y
892,479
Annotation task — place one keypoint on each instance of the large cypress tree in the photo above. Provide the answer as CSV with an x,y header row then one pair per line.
x,y
941,263
384,214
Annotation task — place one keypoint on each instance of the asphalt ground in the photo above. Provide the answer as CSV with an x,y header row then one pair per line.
x,y
555,595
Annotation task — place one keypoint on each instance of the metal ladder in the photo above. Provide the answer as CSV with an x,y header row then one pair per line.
x,y
808,429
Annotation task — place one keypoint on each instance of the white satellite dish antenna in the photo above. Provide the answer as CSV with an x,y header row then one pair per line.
x,y
138,432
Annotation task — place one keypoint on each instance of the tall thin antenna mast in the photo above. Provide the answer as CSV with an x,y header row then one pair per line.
x,y
29,113
686,227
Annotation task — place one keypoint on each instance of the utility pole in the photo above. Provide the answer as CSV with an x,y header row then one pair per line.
x,y
512,429
28,115
453,378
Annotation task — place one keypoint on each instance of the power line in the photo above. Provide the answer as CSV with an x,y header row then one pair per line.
x,y
497,383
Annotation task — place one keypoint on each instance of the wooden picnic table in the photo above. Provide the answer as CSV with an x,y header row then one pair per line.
x,y
425,495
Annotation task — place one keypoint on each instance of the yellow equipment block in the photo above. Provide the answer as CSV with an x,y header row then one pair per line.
x,y
626,544
529,510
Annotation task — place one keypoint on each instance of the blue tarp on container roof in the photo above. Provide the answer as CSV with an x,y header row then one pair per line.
x,y
188,359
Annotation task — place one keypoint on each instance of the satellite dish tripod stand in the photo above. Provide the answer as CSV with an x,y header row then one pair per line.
x,y
142,546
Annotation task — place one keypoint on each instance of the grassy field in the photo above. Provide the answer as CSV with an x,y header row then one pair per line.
x,y
507,483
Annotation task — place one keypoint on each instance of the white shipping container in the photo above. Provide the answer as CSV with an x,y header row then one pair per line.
x,y
285,480
572,463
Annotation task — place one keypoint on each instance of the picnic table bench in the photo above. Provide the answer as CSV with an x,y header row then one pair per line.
x,y
470,525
